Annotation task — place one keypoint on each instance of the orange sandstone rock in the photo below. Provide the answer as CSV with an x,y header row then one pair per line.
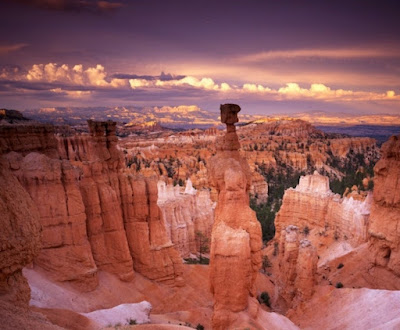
x,y
88,204
185,212
152,251
313,205
19,238
236,234
384,226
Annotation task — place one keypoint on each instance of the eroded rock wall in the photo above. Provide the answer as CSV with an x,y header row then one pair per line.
x,y
384,227
94,214
186,212
313,206
19,238
297,267
152,251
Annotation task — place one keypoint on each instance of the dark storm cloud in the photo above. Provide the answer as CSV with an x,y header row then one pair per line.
x,y
94,6
11,70
163,76
41,86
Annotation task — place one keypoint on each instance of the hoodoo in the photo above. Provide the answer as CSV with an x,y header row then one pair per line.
x,y
236,235
384,226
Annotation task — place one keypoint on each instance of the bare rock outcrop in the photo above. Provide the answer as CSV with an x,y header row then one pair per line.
x,y
297,267
28,138
289,127
153,253
94,214
186,212
52,184
236,234
312,206
125,226
258,188
384,226
19,238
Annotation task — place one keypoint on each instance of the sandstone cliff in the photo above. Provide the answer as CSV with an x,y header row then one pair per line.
x,y
313,205
94,214
185,212
313,227
19,238
297,267
236,234
385,212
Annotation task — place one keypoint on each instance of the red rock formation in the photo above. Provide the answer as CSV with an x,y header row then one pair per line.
x,y
125,227
52,185
28,138
313,205
153,254
87,205
341,147
258,188
290,127
385,212
19,238
297,267
185,213
236,234
101,164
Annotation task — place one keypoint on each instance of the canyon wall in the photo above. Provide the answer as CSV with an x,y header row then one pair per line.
x,y
186,212
384,227
310,221
313,205
19,238
297,267
94,214
235,257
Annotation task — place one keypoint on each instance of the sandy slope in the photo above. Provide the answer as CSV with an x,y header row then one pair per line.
x,y
332,308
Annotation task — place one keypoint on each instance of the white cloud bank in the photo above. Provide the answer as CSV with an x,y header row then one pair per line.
x,y
81,81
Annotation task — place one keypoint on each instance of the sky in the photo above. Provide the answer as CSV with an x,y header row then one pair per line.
x,y
267,56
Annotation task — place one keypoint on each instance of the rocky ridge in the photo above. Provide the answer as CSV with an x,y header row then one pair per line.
x,y
94,214
355,232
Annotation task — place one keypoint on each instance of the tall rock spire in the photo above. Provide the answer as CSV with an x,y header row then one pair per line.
x,y
236,234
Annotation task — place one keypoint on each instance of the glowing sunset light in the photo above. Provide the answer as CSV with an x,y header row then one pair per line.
x,y
332,57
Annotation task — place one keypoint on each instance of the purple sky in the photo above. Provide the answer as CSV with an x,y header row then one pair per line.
x,y
267,56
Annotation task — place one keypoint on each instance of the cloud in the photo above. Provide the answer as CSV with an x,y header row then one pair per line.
x,y
340,53
73,94
163,76
77,75
10,72
5,49
322,92
253,88
93,6
77,82
205,83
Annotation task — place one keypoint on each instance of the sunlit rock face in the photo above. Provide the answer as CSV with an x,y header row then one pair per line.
x,y
19,238
52,184
310,221
258,188
94,215
297,267
385,212
312,205
186,212
236,234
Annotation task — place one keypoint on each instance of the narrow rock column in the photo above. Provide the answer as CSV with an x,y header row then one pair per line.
x,y
297,267
235,256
